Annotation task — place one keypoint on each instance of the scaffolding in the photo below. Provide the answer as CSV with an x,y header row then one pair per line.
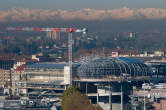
x,y
111,67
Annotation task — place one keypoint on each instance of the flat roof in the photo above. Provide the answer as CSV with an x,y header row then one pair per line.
x,y
48,65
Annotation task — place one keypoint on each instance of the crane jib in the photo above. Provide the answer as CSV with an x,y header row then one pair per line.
x,y
67,30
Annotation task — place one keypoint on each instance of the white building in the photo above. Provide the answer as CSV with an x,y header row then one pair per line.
x,y
159,53
44,75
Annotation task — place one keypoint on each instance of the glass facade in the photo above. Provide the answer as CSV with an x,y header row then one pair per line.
x,y
102,67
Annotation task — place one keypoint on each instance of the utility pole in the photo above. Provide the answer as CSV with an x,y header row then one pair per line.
x,y
144,101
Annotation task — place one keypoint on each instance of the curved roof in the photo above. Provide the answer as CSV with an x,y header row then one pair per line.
x,y
105,67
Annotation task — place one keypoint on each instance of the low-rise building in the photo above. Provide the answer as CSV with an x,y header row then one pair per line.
x,y
43,75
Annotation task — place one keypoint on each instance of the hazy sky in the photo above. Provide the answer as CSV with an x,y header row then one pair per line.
x,y
80,4
46,10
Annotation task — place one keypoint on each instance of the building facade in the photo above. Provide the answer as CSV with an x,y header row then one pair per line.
x,y
43,76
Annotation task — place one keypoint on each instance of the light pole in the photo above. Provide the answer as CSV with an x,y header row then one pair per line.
x,y
144,101
121,96
110,97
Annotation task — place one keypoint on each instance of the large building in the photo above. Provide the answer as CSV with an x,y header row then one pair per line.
x,y
108,68
43,76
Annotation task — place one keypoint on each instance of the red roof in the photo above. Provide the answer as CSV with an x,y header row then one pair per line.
x,y
20,68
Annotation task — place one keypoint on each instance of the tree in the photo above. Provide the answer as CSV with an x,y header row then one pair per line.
x,y
73,99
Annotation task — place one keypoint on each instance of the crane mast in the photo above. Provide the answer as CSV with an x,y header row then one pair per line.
x,y
70,43
66,30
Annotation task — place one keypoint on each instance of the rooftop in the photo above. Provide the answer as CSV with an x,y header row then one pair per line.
x,y
48,65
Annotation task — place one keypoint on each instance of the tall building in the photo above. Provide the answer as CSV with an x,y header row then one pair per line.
x,y
49,34
132,35
52,35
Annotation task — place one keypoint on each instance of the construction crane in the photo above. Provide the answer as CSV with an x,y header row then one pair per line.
x,y
66,30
